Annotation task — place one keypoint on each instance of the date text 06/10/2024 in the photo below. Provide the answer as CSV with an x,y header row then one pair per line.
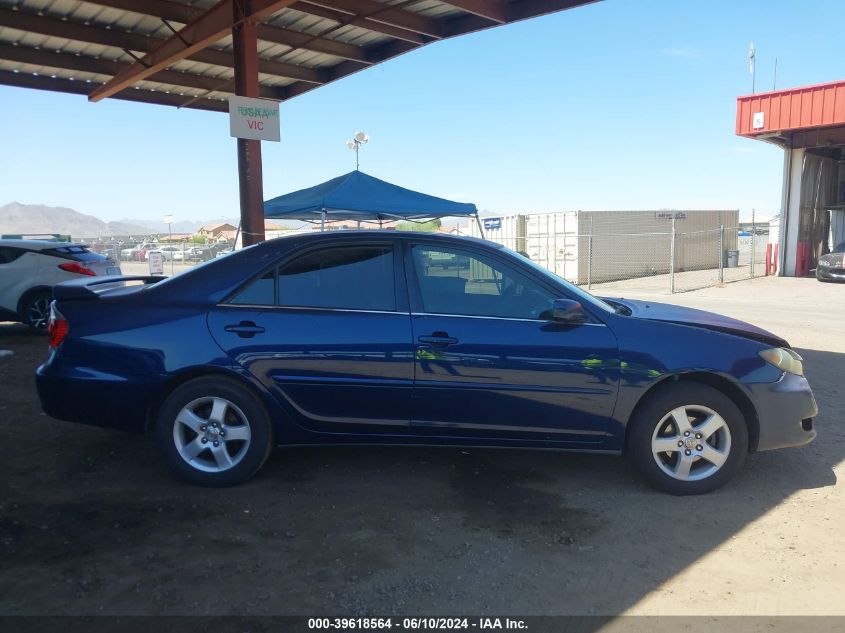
x,y
416,624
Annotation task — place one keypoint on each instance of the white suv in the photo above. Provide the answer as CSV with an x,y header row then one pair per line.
x,y
30,268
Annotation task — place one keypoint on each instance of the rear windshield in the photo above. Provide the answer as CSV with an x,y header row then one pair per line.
x,y
78,253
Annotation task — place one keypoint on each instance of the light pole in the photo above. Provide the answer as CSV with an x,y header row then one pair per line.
x,y
355,144
168,220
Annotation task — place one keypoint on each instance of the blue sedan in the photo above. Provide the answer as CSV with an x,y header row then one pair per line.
x,y
410,338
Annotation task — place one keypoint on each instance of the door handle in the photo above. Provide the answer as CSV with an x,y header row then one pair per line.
x,y
438,339
245,329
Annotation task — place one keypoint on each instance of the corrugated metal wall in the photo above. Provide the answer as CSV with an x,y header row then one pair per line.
x,y
601,246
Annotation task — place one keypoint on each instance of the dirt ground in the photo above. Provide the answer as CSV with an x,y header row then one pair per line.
x,y
91,522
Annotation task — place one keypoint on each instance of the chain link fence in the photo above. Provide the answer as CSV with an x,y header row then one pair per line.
x,y
664,261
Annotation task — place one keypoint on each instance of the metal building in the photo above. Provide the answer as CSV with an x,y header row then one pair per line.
x,y
809,124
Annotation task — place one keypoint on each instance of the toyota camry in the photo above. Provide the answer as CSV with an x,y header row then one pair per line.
x,y
366,337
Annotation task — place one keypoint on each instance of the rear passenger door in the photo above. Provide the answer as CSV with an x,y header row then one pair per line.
x,y
328,332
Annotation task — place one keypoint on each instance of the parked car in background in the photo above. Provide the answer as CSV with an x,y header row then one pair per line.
x,y
204,252
30,268
129,252
174,253
226,251
141,254
831,267
363,337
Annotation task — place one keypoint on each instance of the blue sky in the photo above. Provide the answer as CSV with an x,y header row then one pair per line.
x,y
624,104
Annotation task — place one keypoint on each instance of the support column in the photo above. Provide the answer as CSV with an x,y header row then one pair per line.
x,y
245,44
790,211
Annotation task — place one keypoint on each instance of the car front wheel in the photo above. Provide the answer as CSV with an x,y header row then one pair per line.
x,y
214,432
688,438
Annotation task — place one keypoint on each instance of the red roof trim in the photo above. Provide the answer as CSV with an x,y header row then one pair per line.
x,y
802,108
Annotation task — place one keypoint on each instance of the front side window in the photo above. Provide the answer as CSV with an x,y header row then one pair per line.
x,y
347,277
452,281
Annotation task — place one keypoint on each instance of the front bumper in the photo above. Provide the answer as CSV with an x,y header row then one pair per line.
x,y
785,412
831,274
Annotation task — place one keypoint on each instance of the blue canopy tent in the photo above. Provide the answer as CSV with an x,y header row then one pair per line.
x,y
359,196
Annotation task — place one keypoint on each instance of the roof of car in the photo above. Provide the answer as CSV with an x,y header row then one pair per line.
x,y
369,234
37,245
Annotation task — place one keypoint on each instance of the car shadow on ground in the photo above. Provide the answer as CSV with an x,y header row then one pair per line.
x,y
92,523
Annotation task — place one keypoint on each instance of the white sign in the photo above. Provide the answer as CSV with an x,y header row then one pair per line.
x,y
758,120
256,119
156,263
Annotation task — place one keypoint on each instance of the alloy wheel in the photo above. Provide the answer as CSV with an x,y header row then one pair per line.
x,y
211,434
39,313
691,443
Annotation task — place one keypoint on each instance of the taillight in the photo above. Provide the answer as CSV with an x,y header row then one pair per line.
x,y
76,267
57,328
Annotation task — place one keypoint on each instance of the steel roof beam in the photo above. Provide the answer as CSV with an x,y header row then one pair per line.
x,y
101,66
373,11
177,12
362,23
384,52
25,80
494,10
53,27
521,10
451,27
210,27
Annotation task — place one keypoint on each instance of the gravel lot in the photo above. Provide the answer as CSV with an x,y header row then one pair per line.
x,y
92,523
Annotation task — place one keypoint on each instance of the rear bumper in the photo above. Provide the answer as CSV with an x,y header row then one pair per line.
x,y
785,411
89,396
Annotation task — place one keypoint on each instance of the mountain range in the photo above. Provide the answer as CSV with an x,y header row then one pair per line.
x,y
17,218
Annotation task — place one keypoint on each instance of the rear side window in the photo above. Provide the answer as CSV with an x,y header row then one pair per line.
x,y
78,253
9,254
348,277
261,292
352,277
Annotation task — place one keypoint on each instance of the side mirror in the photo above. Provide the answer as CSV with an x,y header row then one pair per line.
x,y
566,311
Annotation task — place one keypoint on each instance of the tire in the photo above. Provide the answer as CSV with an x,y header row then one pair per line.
x,y
215,410
35,310
712,429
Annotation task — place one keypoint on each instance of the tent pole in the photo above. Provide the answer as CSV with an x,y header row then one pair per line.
x,y
323,221
480,227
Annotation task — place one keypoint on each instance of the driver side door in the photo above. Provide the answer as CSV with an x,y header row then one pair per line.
x,y
489,364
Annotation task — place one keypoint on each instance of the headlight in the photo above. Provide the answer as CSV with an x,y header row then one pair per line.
x,y
824,262
784,359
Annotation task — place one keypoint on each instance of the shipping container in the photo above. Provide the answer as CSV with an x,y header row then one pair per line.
x,y
600,246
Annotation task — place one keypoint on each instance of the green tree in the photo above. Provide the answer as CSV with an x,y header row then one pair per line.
x,y
407,225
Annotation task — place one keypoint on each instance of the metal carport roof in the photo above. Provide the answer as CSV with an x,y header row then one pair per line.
x,y
78,46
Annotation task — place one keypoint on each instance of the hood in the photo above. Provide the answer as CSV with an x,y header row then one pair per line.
x,y
698,318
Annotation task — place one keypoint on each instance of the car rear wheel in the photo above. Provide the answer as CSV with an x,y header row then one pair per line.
x,y
214,432
35,310
688,438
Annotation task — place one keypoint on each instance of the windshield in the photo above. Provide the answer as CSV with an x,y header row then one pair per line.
x,y
583,296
